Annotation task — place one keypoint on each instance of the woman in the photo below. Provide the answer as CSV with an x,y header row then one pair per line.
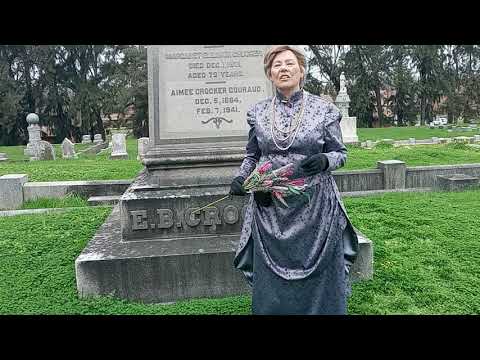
x,y
296,258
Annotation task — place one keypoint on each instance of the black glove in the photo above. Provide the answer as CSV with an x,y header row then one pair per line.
x,y
314,164
236,187
263,198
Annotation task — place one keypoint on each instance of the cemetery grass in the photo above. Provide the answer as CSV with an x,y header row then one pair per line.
x,y
404,133
100,167
71,200
426,260
86,167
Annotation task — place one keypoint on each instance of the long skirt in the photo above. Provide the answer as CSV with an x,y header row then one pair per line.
x,y
298,257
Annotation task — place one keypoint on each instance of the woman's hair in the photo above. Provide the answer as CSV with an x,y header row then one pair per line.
x,y
277,49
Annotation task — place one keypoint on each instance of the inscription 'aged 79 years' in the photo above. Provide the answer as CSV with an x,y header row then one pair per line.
x,y
167,218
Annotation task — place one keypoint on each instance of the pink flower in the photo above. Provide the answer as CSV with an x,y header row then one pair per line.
x,y
297,182
267,183
266,166
285,171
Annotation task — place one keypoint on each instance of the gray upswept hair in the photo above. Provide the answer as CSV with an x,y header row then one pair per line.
x,y
277,49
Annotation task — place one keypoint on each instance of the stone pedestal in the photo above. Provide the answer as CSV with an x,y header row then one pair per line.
x,y
11,191
348,123
394,173
349,130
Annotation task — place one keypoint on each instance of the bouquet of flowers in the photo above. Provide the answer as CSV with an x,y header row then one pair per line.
x,y
278,182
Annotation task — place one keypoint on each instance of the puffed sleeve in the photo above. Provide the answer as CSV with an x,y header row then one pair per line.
x,y
334,147
253,151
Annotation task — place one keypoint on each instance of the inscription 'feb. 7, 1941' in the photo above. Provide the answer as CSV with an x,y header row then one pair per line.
x,y
168,219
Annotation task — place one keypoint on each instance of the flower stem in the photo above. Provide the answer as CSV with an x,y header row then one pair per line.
x,y
213,203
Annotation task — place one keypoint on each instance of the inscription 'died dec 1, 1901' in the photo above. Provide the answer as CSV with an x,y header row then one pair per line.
x,y
167,218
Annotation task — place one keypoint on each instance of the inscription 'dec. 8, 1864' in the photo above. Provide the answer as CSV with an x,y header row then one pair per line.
x,y
167,218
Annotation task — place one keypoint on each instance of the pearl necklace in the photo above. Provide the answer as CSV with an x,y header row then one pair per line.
x,y
291,132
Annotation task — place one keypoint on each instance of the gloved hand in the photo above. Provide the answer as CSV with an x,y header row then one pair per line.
x,y
263,198
236,187
314,164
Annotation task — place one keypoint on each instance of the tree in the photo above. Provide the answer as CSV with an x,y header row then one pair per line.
x,y
131,82
432,83
369,68
330,62
403,83
9,102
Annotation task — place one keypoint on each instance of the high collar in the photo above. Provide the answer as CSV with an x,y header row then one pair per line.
x,y
296,96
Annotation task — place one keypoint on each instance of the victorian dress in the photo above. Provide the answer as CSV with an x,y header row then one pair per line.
x,y
297,258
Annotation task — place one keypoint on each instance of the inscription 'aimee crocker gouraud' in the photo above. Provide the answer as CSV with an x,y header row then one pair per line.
x,y
168,219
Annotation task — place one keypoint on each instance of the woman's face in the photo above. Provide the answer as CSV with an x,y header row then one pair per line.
x,y
285,72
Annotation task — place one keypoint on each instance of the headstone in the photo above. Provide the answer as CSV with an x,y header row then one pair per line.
x,y
476,138
442,140
388,141
412,141
68,149
369,143
198,98
435,140
3,157
86,139
457,182
119,147
348,124
97,139
461,140
142,147
37,149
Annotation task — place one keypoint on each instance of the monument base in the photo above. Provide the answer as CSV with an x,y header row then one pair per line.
x,y
157,271
167,271
119,156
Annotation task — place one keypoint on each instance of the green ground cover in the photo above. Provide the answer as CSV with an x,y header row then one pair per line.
x,y
426,260
404,133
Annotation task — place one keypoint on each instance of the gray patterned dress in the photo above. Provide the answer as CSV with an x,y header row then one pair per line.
x,y
296,258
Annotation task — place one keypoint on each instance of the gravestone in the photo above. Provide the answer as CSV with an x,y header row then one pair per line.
x,y
86,139
388,141
155,246
348,124
68,149
461,140
476,138
412,141
3,157
37,149
119,147
97,138
435,140
142,147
